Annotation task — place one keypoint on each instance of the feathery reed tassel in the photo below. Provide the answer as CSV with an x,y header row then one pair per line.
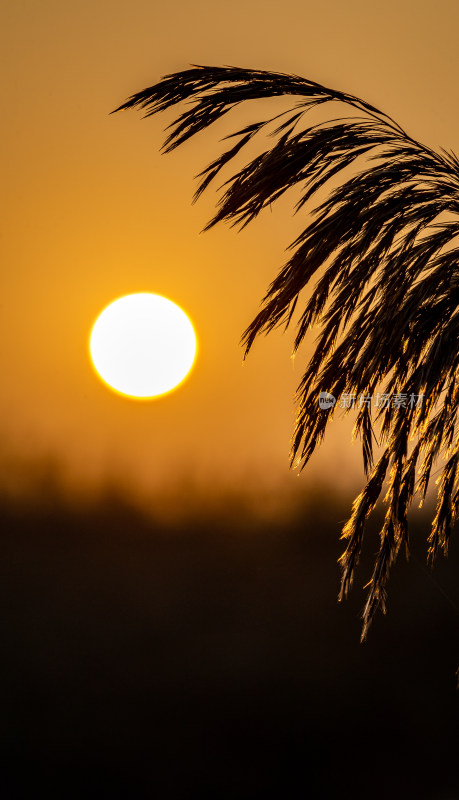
x,y
387,301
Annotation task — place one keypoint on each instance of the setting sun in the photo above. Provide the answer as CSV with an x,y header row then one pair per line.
x,y
142,345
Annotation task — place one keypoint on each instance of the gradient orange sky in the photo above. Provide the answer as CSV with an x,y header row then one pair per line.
x,y
91,211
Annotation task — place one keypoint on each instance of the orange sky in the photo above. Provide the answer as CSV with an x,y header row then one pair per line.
x,y
90,211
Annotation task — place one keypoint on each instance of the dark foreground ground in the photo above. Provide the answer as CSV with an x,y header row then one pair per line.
x,y
214,661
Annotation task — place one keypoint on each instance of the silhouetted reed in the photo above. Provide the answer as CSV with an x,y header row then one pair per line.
x,y
387,301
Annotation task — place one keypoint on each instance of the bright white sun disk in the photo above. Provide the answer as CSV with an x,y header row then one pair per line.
x,y
143,345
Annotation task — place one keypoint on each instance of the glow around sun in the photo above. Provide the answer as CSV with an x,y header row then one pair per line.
x,y
142,345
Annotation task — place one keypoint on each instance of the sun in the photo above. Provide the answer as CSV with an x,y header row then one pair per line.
x,y
142,345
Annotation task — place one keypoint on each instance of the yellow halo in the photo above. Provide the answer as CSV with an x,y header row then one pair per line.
x,y
142,345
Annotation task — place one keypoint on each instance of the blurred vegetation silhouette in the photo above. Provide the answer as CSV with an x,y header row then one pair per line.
x,y
386,300
209,658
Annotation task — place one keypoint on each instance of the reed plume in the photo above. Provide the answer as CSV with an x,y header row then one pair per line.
x,y
386,299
